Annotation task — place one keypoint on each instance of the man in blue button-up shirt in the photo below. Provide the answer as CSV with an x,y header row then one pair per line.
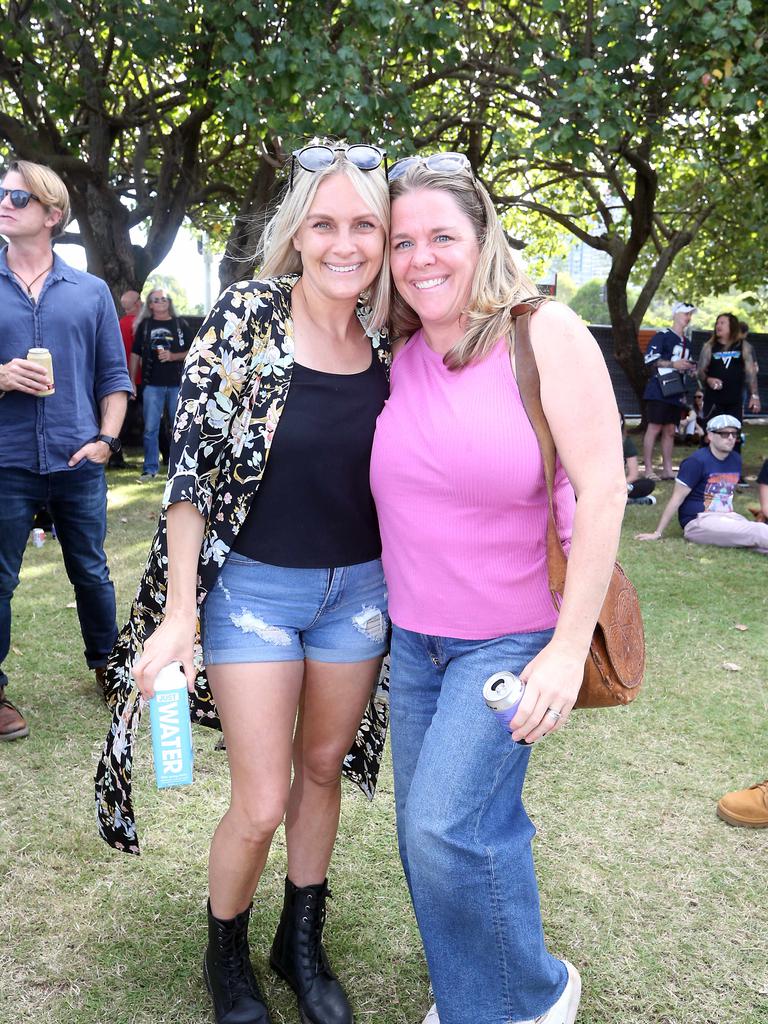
x,y
53,447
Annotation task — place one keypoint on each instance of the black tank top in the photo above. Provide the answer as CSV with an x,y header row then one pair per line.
x,y
728,366
314,508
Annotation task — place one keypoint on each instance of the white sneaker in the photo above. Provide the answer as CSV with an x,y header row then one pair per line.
x,y
565,1009
563,1012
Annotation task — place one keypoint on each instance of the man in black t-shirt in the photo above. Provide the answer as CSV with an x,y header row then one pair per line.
x,y
160,345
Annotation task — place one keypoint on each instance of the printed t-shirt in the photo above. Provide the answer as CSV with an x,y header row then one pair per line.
x,y
174,334
712,482
670,347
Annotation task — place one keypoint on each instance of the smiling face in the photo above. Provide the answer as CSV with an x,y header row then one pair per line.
x,y
341,242
434,254
30,222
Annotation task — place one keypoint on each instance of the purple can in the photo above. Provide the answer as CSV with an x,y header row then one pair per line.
x,y
503,693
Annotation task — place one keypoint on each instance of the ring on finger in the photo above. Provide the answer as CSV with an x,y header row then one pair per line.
x,y
555,715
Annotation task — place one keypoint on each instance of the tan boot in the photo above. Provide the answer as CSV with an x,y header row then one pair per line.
x,y
746,807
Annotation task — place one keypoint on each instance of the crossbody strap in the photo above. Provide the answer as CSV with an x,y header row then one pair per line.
x,y
529,386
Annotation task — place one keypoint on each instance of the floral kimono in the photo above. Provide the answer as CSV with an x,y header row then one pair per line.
x,y
236,380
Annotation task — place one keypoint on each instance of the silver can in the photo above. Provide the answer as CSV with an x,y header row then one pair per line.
x,y
38,537
503,692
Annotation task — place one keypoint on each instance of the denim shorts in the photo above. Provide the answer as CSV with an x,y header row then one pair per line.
x,y
259,613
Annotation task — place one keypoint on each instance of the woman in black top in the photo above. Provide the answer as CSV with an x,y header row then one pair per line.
x,y
725,363
295,626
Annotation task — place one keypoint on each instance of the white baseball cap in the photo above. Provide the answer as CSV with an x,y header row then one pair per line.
x,y
723,422
683,307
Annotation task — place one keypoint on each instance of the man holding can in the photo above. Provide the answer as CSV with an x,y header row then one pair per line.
x,y
63,392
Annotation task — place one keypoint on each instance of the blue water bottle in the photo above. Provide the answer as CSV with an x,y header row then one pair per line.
x,y
171,728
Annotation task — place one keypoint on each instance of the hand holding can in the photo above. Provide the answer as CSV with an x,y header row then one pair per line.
x,y
42,357
503,692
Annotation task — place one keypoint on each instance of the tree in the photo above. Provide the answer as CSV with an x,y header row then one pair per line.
x,y
152,111
630,124
590,303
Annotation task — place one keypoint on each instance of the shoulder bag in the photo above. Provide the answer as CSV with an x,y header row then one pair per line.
x,y
616,662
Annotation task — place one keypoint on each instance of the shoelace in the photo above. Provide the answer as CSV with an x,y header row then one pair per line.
x,y
234,960
314,958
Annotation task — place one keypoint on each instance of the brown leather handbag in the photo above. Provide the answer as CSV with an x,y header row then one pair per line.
x,y
616,662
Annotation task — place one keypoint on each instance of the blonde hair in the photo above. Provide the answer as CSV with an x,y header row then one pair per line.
x,y
498,282
48,187
276,251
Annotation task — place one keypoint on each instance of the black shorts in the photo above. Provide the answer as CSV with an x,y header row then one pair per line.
x,y
662,412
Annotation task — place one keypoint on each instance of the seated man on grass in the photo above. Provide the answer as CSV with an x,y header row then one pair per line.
x,y
703,495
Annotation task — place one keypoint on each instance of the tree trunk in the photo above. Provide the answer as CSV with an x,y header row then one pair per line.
x,y
240,254
625,341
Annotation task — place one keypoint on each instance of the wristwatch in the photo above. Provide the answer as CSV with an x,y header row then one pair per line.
x,y
114,443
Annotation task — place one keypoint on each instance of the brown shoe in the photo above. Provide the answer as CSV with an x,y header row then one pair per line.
x,y
746,807
12,723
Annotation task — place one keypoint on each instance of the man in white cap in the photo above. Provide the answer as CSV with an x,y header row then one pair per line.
x,y
667,352
703,495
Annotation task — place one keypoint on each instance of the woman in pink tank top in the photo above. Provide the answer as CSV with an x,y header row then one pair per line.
x,y
458,481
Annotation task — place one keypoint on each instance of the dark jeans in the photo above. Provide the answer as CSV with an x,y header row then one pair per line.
x,y
77,501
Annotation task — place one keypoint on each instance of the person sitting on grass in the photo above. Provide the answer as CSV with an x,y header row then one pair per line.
x,y
703,495
760,511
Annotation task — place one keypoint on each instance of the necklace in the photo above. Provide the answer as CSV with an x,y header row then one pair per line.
x,y
28,284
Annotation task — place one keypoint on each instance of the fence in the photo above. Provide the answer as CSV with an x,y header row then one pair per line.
x,y
625,396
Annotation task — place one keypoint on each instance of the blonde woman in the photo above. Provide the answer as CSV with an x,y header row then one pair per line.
x,y
459,486
272,536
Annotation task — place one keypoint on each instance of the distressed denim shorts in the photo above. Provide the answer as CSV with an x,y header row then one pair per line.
x,y
258,612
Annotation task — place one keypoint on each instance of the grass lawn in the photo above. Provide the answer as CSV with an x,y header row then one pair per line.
x,y
661,906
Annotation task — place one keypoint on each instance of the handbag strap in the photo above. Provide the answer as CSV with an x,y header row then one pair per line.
x,y
529,386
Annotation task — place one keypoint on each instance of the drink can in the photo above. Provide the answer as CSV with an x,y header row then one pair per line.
x,y
171,728
503,692
42,357
38,537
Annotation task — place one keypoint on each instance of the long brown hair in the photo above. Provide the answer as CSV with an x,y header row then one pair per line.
x,y
498,284
734,341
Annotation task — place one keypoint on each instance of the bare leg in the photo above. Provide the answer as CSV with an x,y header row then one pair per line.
x,y
667,442
257,705
332,706
651,433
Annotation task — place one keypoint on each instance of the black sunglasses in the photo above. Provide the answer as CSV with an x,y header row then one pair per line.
x,y
319,157
725,433
19,197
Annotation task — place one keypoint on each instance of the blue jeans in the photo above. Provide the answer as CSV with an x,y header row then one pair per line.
x,y
154,400
464,836
259,612
77,500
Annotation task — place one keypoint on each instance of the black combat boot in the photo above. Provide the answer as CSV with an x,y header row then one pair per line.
x,y
299,958
229,975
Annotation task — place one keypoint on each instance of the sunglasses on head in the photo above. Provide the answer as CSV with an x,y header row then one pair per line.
x,y
439,163
19,197
319,157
